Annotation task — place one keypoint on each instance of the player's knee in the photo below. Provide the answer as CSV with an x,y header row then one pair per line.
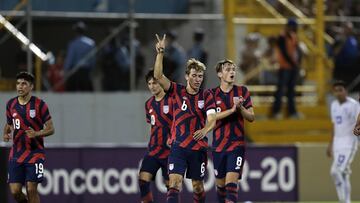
x,y
335,171
16,193
144,176
175,182
198,186
31,190
220,182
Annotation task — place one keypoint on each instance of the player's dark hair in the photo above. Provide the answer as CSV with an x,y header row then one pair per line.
x,y
26,76
149,75
221,63
339,83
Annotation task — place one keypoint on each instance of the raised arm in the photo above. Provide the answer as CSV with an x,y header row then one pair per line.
x,y
158,69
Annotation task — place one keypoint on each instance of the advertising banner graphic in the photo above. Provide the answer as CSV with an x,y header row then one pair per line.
x,y
93,175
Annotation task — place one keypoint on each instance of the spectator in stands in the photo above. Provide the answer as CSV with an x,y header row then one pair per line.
x,y
55,73
269,64
115,61
345,52
78,69
139,56
174,58
288,55
250,57
197,51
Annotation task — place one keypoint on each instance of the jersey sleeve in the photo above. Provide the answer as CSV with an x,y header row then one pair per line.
x,y
209,101
147,115
356,110
44,112
174,87
331,113
247,98
8,114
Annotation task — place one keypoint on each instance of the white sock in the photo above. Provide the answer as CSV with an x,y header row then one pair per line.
x,y
347,188
339,184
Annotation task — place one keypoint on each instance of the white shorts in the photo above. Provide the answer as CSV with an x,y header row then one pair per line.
x,y
342,160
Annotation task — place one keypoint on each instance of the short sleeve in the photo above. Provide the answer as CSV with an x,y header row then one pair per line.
x,y
147,114
247,98
209,101
331,112
356,110
44,112
8,114
174,87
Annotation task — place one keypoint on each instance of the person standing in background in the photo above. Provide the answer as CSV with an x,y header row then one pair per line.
x,y
343,145
289,61
197,51
174,58
79,78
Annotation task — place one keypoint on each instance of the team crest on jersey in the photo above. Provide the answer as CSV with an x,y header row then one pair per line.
x,y
185,98
166,109
14,114
218,102
171,167
32,113
150,110
201,104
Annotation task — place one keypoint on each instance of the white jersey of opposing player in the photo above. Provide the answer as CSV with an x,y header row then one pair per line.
x,y
344,118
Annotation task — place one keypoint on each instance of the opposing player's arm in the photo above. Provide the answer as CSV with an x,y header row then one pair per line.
x,y
330,145
158,70
47,131
329,151
357,126
7,133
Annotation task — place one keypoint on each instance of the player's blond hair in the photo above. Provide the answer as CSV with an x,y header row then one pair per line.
x,y
221,64
194,64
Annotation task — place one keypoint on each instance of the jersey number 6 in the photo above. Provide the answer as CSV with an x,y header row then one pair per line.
x,y
184,106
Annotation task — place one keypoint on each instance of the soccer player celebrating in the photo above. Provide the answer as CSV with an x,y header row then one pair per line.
x,y
343,145
194,117
233,105
159,115
29,121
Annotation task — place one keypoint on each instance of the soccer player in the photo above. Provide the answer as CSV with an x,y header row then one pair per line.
x,y
233,105
28,122
194,117
159,115
343,145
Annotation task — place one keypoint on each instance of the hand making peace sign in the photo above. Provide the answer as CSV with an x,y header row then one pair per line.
x,y
160,45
